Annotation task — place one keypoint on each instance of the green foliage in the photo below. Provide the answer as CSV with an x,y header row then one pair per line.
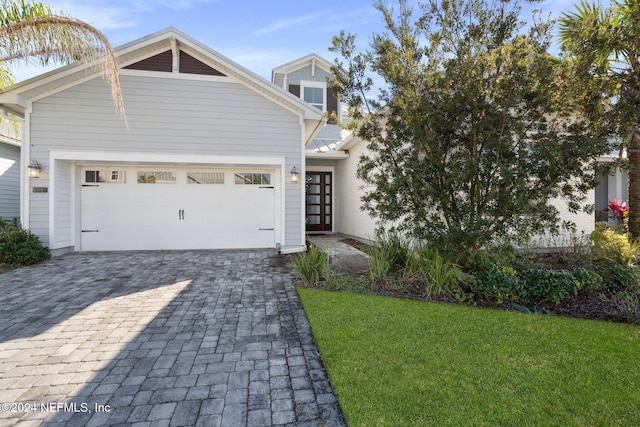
x,y
499,283
620,277
381,260
313,265
439,274
587,280
391,252
610,245
547,285
20,247
468,143
397,247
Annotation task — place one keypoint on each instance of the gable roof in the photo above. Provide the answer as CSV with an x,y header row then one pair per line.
x,y
313,59
18,97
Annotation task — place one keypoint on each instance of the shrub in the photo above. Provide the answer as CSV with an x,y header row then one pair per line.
x,y
19,246
620,277
438,273
548,285
313,265
587,280
613,246
500,283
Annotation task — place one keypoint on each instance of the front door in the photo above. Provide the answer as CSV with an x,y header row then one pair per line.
x,y
318,196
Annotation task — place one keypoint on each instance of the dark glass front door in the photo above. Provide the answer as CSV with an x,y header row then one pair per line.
x,y
318,195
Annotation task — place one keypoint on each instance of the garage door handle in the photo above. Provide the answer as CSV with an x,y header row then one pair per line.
x,y
180,214
265,229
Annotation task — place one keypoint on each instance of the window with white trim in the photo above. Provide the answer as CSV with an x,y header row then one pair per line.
x,y
314,93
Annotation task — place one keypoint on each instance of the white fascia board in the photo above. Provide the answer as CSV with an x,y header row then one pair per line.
x,y
329,155
165,158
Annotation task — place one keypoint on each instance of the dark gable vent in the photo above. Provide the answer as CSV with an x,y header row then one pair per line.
x,y
159,62
190,65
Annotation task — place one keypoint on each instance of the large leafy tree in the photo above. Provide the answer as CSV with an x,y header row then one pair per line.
x,y
476,128
605,41
30,31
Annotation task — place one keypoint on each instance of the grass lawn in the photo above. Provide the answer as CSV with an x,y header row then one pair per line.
x,y
397,362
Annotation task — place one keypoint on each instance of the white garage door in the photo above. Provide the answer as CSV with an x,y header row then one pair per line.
x,y
139,208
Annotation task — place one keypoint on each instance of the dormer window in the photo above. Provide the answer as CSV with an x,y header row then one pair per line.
x,y
314,94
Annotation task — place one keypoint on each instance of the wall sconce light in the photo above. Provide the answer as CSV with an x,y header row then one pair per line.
x,y
295,175
34,169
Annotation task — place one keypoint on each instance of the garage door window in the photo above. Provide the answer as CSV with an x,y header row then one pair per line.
x,y
253,178
157,177
205,177
104,176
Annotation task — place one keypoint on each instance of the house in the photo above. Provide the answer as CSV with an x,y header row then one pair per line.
x,y
208,156
9,167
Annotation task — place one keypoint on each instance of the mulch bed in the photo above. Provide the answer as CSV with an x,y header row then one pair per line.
x,y
582,306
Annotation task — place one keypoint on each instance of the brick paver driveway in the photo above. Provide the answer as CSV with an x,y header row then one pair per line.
x,y
159,338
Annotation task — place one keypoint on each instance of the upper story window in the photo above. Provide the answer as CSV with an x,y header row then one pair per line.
x,y
314,94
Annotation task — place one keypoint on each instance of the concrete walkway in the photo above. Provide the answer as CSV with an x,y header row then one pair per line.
x,y
344,258
206,338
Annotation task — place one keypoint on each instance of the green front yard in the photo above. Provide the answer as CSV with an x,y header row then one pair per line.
x,y
401,362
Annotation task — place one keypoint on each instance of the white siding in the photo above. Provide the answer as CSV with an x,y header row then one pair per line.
x,y
350,218
165,115
9,181
353,221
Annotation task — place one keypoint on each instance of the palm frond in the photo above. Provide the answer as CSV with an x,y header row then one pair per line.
x,y
29,31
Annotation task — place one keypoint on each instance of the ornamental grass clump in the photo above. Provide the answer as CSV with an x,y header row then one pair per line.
x,y
312,266
440,275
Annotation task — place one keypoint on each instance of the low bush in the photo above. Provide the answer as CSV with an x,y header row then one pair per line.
x,y
620,277
587,280
613,246
20,247
547,285
313,265
499,283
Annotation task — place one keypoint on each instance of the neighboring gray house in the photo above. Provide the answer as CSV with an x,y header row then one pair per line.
x,y
9,168
209,158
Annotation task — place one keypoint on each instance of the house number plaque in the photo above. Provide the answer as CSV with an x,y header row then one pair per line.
x,y
40,189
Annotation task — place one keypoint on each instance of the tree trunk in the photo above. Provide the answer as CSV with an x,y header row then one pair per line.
x,y
633,152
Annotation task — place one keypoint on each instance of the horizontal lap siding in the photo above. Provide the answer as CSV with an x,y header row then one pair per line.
x,y
169,116
9,181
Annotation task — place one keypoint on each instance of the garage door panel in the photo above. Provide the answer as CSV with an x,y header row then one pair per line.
x,y
137,216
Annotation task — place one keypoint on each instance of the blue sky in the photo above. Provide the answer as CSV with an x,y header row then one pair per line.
x,y
257,34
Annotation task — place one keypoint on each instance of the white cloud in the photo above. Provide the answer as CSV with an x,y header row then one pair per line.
x,y
292,22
